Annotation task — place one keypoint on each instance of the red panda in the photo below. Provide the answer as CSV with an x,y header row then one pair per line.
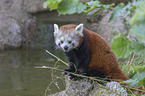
x,y
88,52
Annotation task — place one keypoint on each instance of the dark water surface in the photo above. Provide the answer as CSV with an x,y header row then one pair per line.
x,y
18,75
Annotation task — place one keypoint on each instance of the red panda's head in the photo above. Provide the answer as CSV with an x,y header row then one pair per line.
x,y
68,36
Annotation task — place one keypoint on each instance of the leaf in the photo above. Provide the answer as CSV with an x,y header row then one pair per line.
x,y
127,10
121,46
80,7
138,31
52,4
137,80
71,7
67,7
117,12
138,47
108,6
133,19
92,5
139,13
141,82
140,78
131,82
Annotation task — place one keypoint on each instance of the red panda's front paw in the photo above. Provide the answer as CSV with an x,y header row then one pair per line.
x,y
82,72
74,78
67,70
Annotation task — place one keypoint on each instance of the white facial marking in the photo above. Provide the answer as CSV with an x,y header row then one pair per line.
x,y
68,40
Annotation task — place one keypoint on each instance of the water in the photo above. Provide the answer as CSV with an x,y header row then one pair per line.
x,y
18,75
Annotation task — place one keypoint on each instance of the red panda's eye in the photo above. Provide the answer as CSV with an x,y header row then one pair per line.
x,y
58,44
69,42
61,41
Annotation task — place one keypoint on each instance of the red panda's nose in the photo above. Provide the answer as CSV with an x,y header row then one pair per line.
x,y
65,47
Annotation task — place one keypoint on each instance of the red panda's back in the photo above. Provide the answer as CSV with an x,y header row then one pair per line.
x,y
102,58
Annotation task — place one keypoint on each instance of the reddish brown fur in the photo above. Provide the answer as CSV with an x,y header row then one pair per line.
x,y
67,27
102,59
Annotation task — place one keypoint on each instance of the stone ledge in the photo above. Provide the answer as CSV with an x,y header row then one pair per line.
x,y
84,87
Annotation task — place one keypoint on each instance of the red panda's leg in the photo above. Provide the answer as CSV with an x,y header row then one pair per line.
x,y
82,70
71,68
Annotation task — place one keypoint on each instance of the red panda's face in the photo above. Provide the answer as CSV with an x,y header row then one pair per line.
x,y
68,38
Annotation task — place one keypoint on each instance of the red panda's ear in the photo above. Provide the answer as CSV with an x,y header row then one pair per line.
x,y
56,29
79,30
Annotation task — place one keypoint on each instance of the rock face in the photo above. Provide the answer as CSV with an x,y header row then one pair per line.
x,y
16,25
84,87
10,33
33,6
100,25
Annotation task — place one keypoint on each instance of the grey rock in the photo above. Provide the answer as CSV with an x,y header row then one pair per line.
x,y
33,6
16,25
100,25
84,87
10,33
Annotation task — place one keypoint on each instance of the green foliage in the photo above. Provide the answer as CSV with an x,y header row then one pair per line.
x,y
70,7
139,16
123,11
139,48
137,22
137,80
136,72
138,31
117,12
96,4
53,4
75,6
121,46
65,6
136,10
92,5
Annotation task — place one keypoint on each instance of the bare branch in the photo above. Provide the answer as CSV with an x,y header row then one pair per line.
x,y
57,58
